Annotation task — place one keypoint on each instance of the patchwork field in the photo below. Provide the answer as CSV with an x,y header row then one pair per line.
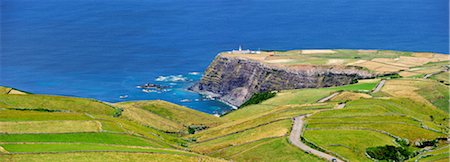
x,y
410,113
56,128
378,61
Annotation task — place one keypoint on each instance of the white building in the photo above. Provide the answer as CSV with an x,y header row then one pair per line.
x,y
247,51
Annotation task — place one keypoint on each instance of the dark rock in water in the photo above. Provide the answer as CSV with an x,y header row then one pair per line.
x,y
234,80
153,86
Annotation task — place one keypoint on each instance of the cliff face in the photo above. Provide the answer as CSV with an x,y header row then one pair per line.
x,y
234,80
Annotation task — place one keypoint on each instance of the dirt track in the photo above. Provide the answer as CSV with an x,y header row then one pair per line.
x,y
294,138
379,86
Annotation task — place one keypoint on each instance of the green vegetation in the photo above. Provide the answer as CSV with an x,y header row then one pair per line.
x,y
32,101
389,153
350,144
103,138
258,98
166,116
269,149
61,126
105,156
442,77
4,90
15,115
437,94
276,129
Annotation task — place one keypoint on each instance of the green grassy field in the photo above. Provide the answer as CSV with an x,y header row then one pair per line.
x,y
104,138
276,129
37,127
443,77
77,147
106,157
440,154
60,126
270,149
166,116
350,144
33,102
17,115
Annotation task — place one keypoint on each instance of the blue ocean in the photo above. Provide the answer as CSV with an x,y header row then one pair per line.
x,y
103,49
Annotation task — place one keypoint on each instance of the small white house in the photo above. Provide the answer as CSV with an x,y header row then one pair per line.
x,y
247,51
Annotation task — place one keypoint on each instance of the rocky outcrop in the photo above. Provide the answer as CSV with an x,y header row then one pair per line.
x,y
234,80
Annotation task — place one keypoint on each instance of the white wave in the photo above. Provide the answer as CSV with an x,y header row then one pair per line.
x,y
194,73
185,100
172,78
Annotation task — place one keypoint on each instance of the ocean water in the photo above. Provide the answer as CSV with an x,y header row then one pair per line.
x,y
104,48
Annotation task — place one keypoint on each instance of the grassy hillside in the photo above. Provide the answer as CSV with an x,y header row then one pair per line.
x,y
166,116
37,127
54,103
41,127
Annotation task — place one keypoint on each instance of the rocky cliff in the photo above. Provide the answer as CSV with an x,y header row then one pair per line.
x,y
235,79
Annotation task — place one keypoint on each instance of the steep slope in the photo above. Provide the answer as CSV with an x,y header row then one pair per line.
x,y
166,116
234,79
235,76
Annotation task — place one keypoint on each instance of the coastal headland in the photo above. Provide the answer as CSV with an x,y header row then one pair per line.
x,y
234,76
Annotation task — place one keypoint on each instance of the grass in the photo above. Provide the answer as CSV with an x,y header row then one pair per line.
x,y
410,132
371,107
77,147
421,90
103,138
150,119
442,77
349,96
4,90
253,133
276,129
279,113
71,104
123,125
298,96
176,113
350,144
438,154
106,157
258,98
17,115
363,120
62,126
435,93
271,149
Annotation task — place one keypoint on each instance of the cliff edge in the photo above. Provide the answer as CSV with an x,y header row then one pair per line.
x,y
235,78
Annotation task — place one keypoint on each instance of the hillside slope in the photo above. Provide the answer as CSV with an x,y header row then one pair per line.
x,y
56,128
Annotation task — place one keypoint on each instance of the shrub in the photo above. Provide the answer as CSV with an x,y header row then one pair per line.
x,y
195,128
258,98
422,144
118,112
389,153
402,142
37,109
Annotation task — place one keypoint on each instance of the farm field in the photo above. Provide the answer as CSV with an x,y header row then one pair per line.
x,y
378,61
268,149
36,127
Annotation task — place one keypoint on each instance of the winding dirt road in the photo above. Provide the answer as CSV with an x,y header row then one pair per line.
x,y
294,138
379,86
328,97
